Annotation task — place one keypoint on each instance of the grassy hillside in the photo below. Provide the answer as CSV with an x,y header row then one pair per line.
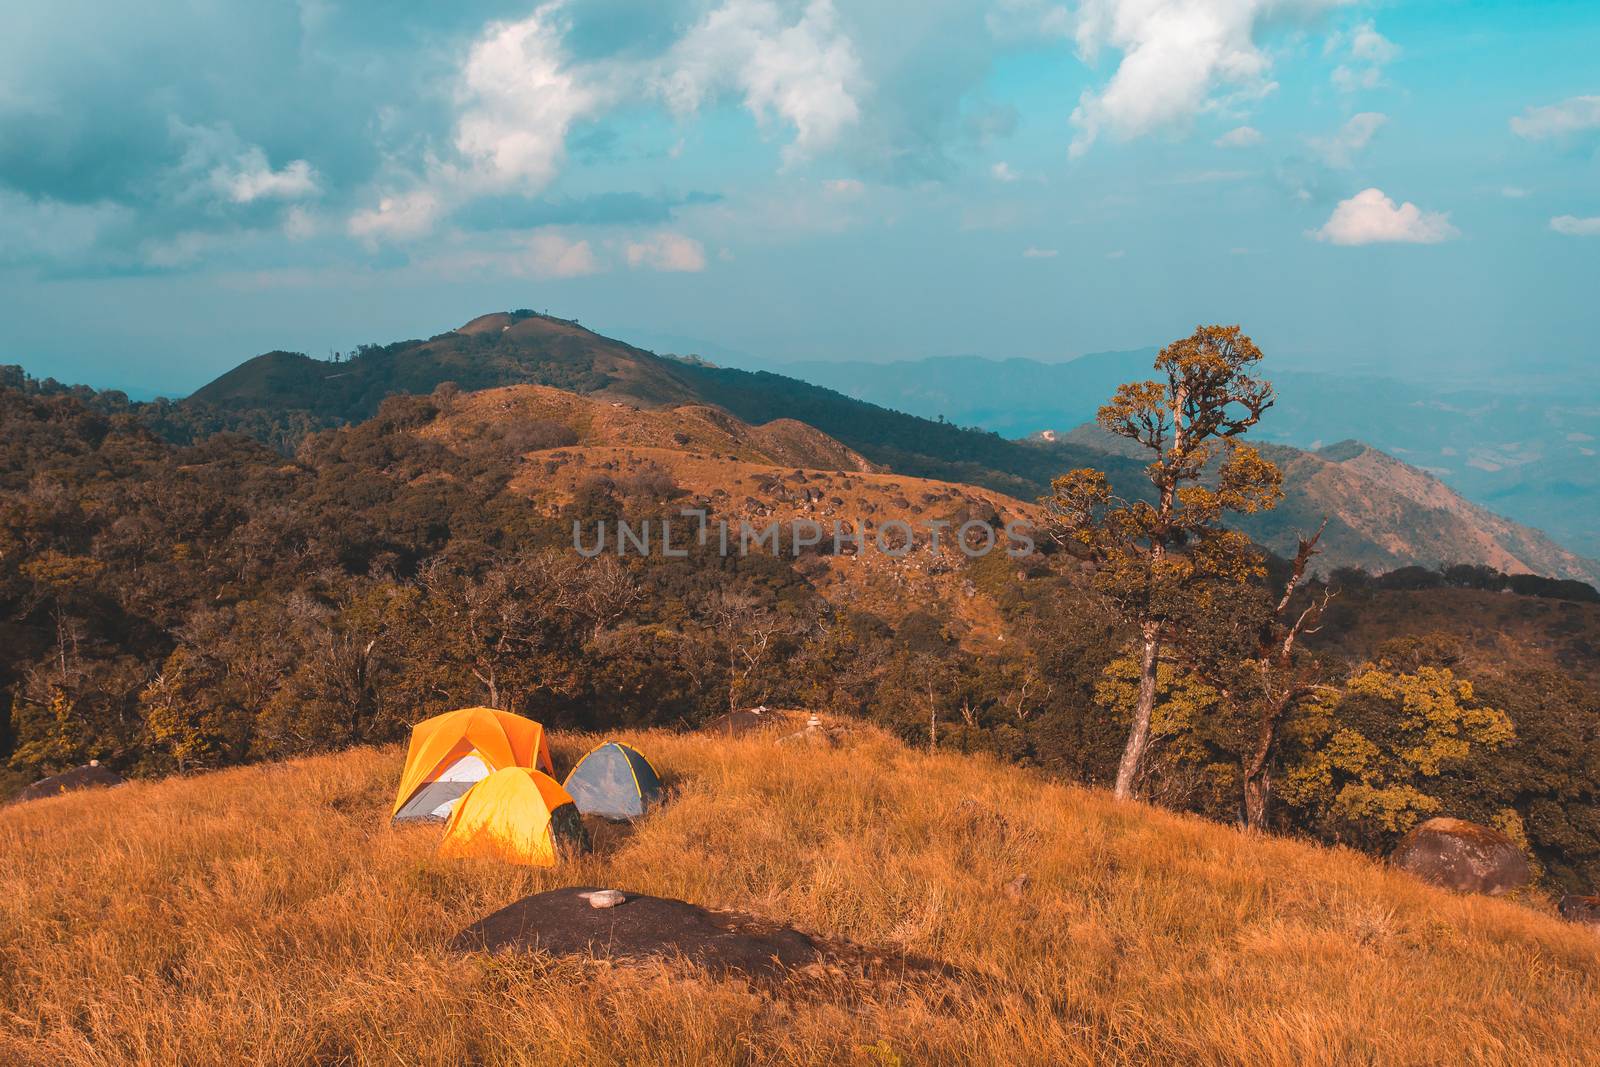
x,y
268,915
781,472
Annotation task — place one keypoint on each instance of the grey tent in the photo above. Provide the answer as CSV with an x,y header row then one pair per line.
x,y
614,781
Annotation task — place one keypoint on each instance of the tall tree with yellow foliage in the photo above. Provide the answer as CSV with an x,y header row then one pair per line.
x,y
1162,559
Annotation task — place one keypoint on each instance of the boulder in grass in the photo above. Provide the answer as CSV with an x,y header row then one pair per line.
x,y
89,776
1464,856
1581,909
568,922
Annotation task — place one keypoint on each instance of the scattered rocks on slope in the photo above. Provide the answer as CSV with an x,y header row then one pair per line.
x,y
815,733
1463,856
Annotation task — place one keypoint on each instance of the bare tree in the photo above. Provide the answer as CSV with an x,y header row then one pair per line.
x,y
748,631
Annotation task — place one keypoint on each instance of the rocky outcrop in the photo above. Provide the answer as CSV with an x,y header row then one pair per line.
x,y
1463,856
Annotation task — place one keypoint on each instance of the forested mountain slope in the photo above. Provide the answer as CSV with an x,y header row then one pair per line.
x,y
1377,520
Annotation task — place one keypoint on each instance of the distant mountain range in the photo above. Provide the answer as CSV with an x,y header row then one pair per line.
x,y
1527,451
1383,513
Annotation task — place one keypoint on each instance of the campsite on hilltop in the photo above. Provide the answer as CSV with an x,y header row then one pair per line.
x,y
267,914
831,792
800,532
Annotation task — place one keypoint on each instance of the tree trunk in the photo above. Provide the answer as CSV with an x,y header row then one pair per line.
x,y
1257,792
1258,768
1139,735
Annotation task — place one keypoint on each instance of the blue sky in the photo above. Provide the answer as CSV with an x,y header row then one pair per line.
x,y
1408,187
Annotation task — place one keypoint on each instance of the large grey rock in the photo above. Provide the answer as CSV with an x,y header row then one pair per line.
x,y
1463,856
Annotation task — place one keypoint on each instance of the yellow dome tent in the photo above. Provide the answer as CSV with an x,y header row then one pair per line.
x,y
450,753
517,815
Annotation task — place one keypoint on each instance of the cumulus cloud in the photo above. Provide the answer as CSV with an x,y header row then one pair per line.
x,y
1040,253
398,215
1179,58
1574,115
1340,148
518,100
521,91
299,224
253,178
667,252
847,188
1240,137
217,164
1367,52
1573,226
805,72
1370,217
551,255
1002,172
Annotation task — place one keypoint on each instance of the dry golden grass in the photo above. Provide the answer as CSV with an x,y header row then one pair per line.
x,y
269,915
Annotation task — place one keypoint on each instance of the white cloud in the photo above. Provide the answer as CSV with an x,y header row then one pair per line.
x,y
848,188
299,224
1368,51
1240,137
1516,192
1120,253
1573,226
1177,56
551,255
1350,80
807,72
398,216
519,93
251,178
1002,172
518,101
1370,46
1573,115
1341,148
218,164
1040,253
1370,217
668,252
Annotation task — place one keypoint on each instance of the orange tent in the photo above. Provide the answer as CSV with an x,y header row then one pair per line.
x,y
450,753
517,815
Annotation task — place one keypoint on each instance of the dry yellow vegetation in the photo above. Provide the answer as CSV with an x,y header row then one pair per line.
x,y
268,914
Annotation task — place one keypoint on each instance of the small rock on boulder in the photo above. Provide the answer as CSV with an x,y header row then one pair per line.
x,y
1464,856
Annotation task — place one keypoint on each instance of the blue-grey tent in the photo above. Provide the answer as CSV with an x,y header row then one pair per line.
x,y
614,781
